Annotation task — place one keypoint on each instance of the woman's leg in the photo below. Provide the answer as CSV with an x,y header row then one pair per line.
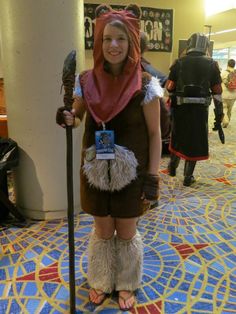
x,y
225,121
104,226
129,248
101,259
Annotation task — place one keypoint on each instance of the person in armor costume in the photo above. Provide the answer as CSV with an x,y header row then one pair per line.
x,y
193,81
120,182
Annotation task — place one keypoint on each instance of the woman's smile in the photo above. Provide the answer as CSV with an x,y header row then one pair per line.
x,y
114,53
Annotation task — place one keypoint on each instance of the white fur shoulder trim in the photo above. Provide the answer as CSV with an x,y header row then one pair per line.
x,y
153,90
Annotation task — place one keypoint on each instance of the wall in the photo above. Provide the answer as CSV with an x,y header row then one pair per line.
x,y
1,69
188,16
1,65
223,21
36,38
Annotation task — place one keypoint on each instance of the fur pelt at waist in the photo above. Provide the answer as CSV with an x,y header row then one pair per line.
x,y
110,175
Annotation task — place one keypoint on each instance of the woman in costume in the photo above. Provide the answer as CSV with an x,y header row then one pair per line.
x,y
118,181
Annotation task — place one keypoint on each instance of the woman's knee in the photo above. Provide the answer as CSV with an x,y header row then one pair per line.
x,y
104,227
126,227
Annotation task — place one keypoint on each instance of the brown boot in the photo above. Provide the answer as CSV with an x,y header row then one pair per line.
x,y
173,165
189,167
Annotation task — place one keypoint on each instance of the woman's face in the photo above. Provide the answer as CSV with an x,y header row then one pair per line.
x,y
115,47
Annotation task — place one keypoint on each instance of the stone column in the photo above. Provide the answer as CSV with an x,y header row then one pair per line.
x,y
36,38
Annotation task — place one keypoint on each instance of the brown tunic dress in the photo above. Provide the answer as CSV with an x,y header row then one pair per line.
x,y
131,132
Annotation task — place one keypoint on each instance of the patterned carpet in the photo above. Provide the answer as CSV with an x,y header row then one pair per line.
x,y
189,258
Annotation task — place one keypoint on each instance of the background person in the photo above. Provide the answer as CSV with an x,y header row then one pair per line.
x,y
229,91
144,46
118,97
165,112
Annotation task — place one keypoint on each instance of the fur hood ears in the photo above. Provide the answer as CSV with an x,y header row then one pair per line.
x,y
102,9
134,9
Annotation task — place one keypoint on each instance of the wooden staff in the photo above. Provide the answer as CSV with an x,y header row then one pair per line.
x,y
68,81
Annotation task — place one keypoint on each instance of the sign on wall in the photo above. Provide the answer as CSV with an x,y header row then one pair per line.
x,y
156,23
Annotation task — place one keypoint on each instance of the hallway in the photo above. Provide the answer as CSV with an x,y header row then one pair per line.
x,y
189,258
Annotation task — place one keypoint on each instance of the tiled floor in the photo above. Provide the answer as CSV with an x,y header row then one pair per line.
x,y
189,258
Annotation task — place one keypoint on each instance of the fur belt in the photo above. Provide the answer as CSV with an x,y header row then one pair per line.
x,y
110,175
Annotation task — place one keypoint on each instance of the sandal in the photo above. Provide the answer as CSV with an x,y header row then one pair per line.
x,y
126,301
96,296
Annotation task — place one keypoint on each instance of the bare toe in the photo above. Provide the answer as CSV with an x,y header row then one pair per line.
x,y
126,300
96,296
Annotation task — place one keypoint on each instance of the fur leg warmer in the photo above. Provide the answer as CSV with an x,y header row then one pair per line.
x,y
129,263
101,263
